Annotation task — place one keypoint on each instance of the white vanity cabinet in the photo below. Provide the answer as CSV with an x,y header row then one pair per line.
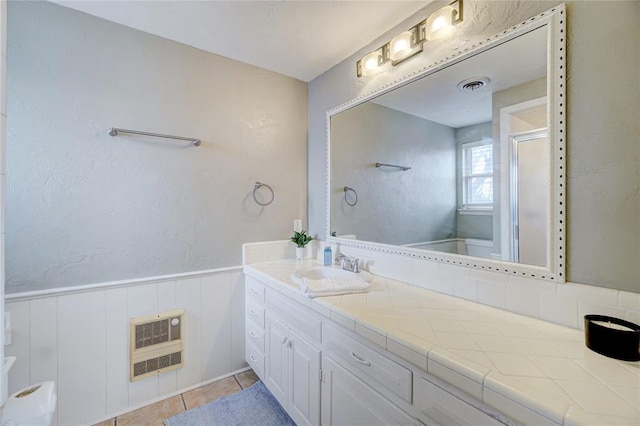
x,y
322,373
292,362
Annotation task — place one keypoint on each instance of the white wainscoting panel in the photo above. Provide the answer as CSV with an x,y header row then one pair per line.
x,y
79,338
19,376
43,337
82,361
189,298
216,291
117,350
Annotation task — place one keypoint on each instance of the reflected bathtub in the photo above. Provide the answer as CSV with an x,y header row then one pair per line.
x,y
470,246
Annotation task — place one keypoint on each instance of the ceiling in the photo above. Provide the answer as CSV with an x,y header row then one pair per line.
x,y
437,97
300,39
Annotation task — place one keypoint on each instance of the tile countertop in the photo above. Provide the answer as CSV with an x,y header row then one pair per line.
x,y
531,370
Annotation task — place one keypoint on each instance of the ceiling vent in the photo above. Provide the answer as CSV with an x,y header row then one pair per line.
x,y
473,84
155,344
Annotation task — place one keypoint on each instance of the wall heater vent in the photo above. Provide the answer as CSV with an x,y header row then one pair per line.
x,y
155,344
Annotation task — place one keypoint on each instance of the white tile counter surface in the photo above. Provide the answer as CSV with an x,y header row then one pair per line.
x,y
531,370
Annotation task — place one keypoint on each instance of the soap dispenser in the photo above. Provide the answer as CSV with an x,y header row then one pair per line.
x,y
327,255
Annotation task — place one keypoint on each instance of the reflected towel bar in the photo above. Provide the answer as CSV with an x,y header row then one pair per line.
x,y
404,168
114,132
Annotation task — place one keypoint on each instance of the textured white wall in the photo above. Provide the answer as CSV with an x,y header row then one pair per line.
x,y
427,147
603,159
84,207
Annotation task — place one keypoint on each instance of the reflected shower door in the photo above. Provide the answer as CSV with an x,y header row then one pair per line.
x,y
530,183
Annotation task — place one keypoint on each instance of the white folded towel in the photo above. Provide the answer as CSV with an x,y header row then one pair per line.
x,y
333,286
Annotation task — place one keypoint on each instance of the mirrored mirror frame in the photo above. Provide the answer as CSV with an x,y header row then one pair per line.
x,y
555,20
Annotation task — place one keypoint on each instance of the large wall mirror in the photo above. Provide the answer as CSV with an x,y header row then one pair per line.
x,y
462,162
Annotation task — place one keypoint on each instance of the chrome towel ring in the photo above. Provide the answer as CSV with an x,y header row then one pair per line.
x,y
346,199
257,186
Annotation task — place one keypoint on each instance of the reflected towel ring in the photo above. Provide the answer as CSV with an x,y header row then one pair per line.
x,y
257,186
346,200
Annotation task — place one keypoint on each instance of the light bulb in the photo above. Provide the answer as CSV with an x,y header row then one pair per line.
x,y
371,63
400,46
440,23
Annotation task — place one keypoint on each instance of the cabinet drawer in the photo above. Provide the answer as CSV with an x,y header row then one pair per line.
x,y
255,313
436,404
254,289
255,335
369,365
346,400
296,316
255,359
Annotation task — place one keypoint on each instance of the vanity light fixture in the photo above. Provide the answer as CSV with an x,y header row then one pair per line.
x,y
410,42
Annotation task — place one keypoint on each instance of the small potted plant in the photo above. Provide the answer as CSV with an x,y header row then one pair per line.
x,y
301,239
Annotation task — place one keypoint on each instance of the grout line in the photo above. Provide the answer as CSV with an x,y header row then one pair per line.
x,y
184,404
238,381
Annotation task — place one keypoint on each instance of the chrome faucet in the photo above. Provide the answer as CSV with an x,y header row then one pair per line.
x,y
348,264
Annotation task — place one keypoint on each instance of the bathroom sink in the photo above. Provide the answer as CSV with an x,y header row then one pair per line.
x,y
326,272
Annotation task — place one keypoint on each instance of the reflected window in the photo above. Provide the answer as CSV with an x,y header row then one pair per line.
x,y
477,175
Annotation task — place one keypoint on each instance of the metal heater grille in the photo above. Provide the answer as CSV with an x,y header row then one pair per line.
x,y
155,365
156,344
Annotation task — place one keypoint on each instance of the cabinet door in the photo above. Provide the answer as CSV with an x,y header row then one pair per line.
x,y
304,389
276,369
346,400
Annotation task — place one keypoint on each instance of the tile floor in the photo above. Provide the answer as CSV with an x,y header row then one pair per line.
x,y
155,414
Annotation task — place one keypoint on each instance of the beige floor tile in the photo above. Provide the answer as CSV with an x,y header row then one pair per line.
x,y
154,414
110,422
210,392
247,378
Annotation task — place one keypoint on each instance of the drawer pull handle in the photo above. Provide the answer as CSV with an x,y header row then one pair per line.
x,y
360,360
285,340
253,290
252,358
253,312
252,334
